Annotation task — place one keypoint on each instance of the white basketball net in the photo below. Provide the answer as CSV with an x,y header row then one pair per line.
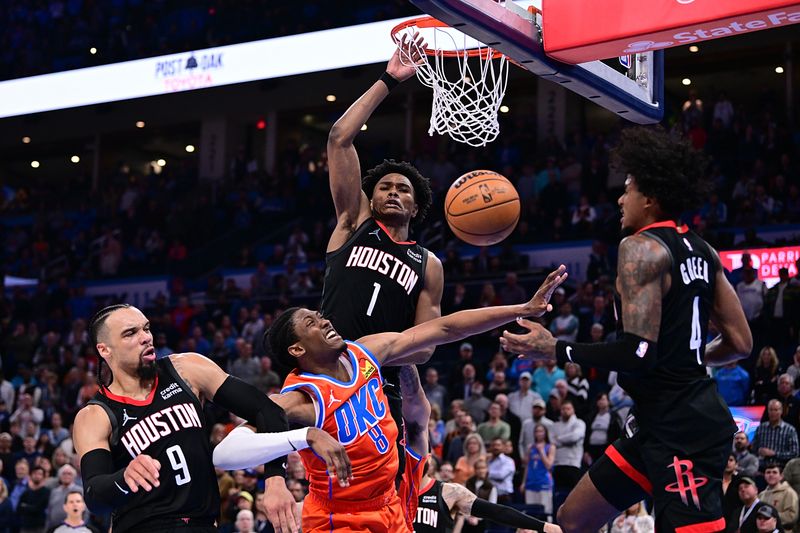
x,y
466,107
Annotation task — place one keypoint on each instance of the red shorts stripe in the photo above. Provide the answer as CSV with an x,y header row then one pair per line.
x,y
703,527
628,469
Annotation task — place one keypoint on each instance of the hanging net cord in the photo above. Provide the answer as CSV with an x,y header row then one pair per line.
x,y
465,108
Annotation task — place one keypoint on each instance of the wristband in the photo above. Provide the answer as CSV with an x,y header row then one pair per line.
x,y
390,81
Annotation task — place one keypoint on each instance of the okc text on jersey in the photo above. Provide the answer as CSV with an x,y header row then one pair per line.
x,y
360,415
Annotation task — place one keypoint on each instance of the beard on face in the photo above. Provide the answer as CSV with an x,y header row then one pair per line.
x,y
146,371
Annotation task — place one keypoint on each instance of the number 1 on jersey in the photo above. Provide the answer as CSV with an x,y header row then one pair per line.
x,y
696,340
374,298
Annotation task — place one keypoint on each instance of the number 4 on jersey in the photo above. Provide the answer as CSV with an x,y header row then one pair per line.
x,y
696,340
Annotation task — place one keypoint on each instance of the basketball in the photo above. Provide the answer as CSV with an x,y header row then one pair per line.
x,y
482,207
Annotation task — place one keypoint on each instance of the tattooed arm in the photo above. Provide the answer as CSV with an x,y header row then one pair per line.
x,y
416,410
460,500
642,282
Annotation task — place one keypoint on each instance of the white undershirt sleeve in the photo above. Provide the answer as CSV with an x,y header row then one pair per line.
x,y
244,448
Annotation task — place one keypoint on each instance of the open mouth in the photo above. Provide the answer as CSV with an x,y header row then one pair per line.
x,y
393,203
149,355
331,334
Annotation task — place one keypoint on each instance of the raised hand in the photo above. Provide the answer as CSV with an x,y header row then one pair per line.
x,y
333,453
409,53
540,303
538,344
142,472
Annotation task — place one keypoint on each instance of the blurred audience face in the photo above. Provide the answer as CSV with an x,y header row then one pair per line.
x,y
244,521
567,411
740,441
446,473
74,507
431,376
747,493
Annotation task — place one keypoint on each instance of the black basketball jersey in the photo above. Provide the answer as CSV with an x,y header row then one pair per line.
x,y
168,426
433,516
676,397
372,284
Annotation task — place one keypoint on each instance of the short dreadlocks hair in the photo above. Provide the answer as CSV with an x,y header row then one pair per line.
x,y
104,376
280,336
665,167
422,185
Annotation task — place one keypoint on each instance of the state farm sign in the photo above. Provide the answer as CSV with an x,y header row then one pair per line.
x,y
767,261
576,31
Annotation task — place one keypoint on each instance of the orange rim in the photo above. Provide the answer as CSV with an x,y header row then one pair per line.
x,y
484,52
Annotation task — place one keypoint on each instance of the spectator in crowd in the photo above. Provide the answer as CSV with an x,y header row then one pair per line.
x,y
56,512
499,363
511,419
501,471
511,292
545,377
494,427
765,376
603,428
477,404
267,380
434,391
791,404
499,385
474,451
27,412
743,517
460,380
780,495
746,461
162,350
780,305
456,445
775,441
577,389
32,508
244,521
733,383
791,474
730,485
768,520
634,520
568,436
57,433
565,326
794,369
752,292
245,367
480,485
520,402
537,485
526,438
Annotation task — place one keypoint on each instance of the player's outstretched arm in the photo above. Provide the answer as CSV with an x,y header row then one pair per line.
x,y
735,340
459,498
351,204
105,488
414,345
642,265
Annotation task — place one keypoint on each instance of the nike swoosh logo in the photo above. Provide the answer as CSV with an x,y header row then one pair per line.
x,y
290,444
120,488
569,353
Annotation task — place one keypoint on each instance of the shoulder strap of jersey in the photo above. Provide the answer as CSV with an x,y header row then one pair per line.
x,y
170,369
361,229
425,253
111,418
357,348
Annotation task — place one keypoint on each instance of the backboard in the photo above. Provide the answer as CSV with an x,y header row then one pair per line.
x,y
635,93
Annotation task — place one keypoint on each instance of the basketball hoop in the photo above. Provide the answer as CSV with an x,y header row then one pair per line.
x,y
468,88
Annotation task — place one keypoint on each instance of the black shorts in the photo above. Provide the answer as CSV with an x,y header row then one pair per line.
x,y
686,490
396,410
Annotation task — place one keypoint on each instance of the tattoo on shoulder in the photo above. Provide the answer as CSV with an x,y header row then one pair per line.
x,y
642,264
458,497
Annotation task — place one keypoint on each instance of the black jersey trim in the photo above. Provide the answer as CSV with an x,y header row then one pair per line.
x,y
173,372
112,418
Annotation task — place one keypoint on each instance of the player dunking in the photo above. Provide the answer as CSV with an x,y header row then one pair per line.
x,y
376,278
325,364
671,283
430,504
144,448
